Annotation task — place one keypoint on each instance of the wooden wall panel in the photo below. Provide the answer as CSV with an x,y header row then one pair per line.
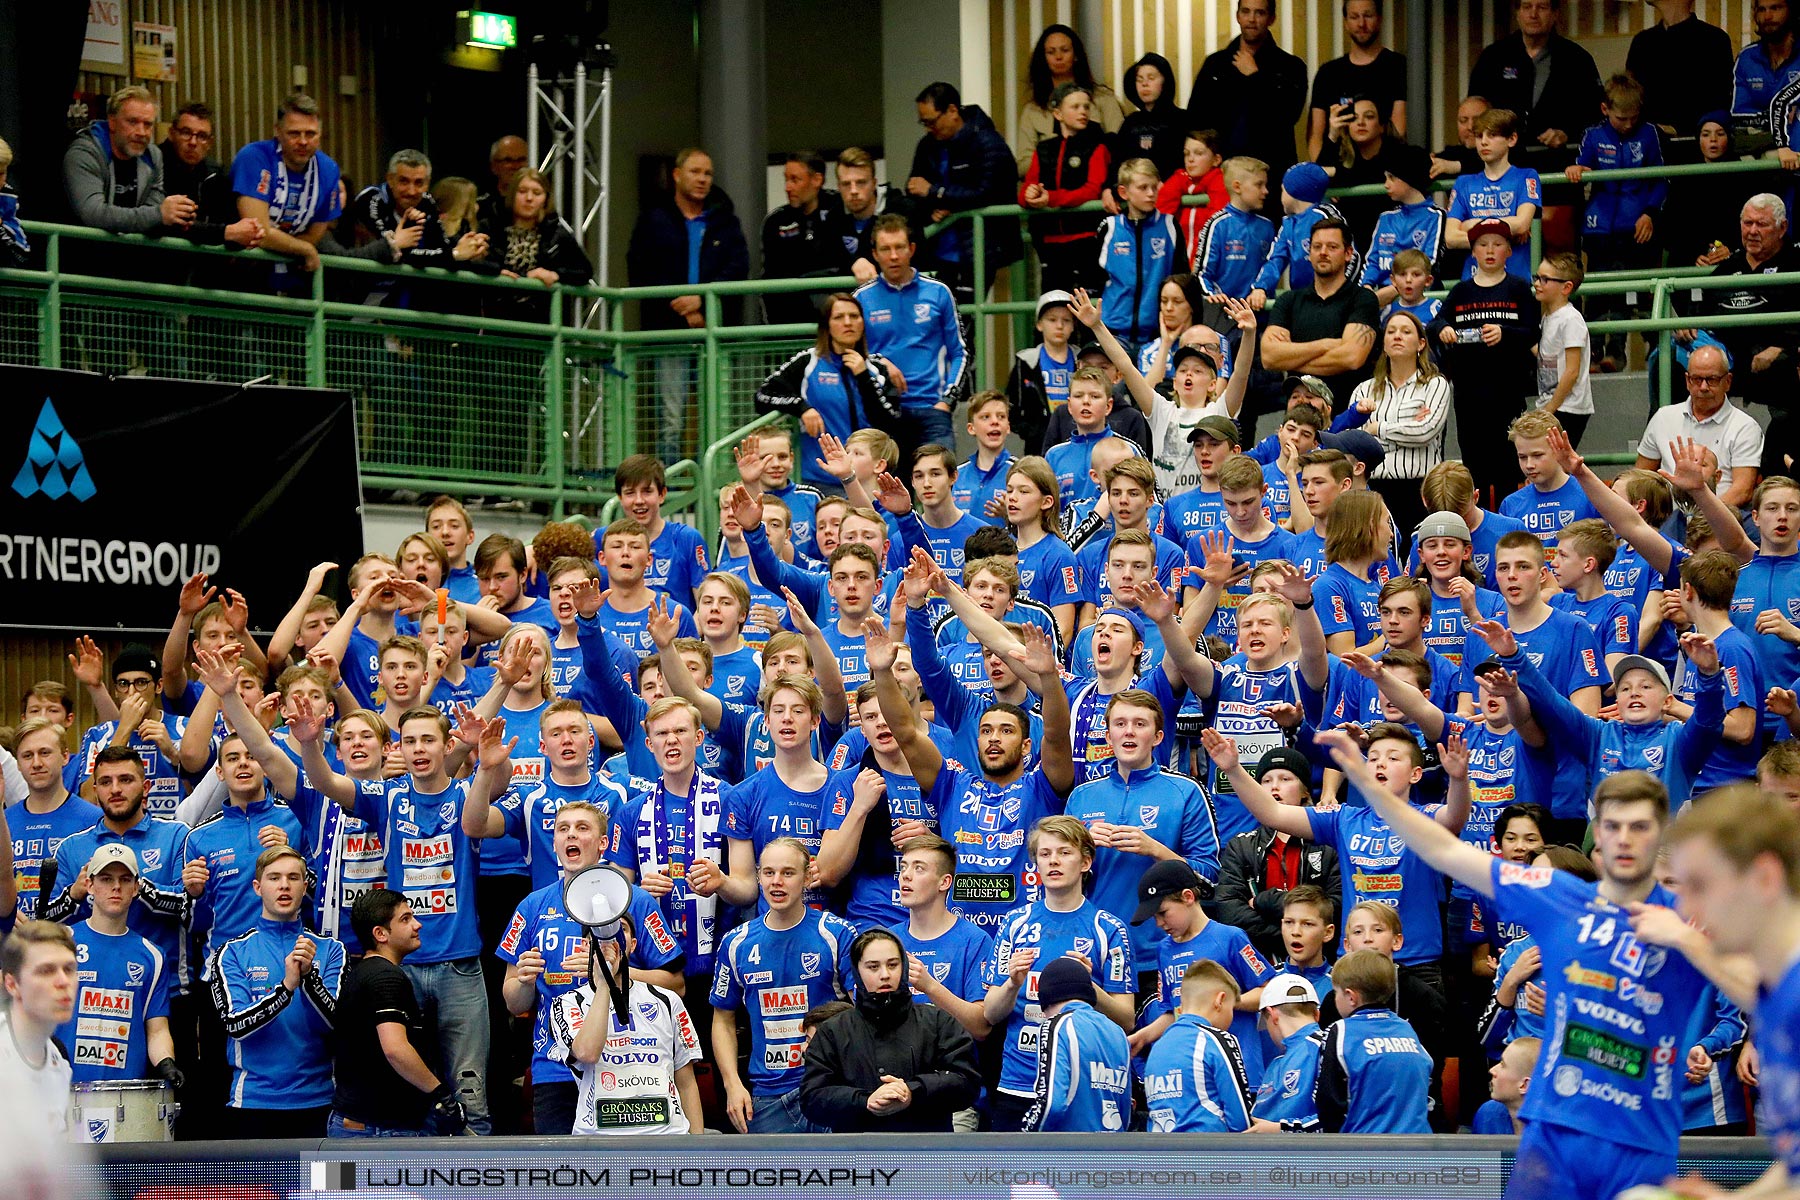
x,y
27,657
1186,32
239,57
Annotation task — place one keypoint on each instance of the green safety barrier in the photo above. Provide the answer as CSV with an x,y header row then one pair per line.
x,y
540,406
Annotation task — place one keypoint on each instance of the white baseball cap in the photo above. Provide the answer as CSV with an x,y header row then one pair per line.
x,y
1288,988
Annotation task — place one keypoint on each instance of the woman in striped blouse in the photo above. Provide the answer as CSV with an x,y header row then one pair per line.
x,y
1408,403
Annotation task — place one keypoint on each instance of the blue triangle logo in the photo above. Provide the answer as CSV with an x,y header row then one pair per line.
x,y
53,464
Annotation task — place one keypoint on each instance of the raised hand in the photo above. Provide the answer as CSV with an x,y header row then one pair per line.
x,y
87,663
745,509
1039,655
217,669
1453,755
325,661
195,595
892,495
1290,581
1701,651
588,598
1217,565
413,595
752,463
1363,665
797,615
495,753
1498,637
268,711
468,726
305,723
1288,716
1564,452
1687,465
1502,683
513,662
237,612
663,625
1243,313
1342,747
836,462
1154,601
1086,311
879,648
1221,749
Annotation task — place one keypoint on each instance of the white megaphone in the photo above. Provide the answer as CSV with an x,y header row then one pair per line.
x,y
597,897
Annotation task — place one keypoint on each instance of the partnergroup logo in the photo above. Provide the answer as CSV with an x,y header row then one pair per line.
x,y
53,464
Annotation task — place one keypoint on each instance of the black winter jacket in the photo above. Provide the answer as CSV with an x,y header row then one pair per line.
x,y
1153,133
852,1051
658,254
1242,897
978,169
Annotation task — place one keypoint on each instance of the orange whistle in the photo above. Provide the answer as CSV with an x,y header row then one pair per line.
x,y
443,605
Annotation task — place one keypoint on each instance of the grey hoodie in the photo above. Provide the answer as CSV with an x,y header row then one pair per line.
x,y
88,180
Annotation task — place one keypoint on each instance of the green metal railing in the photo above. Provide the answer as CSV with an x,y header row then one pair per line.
x,y
539,404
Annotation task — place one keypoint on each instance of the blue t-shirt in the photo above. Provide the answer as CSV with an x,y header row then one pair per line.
x,y
430,861
531,812
1744,688
1614,621
1230,947
1546,512
1612,1063
989,824
1778,1042
764,807
475,684
696,237
1223,623
1171,563
1100,936
1475,195
540,923
1048,572
124,983
1378,866
777,975
1346,604
297,200
35,837
677,562
1767,582
1448,631
1196,510
1237,710
632,630
956,958
875,896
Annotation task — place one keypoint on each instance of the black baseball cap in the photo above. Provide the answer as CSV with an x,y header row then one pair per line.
x,y
1170,877
1205,354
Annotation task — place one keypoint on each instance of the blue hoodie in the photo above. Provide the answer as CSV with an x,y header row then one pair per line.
x,y
1613,208
1137,255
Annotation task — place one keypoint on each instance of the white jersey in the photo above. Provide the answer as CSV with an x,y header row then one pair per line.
x,y
42,1093
632,1088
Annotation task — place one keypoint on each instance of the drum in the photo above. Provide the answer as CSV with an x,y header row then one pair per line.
x,y
135,1110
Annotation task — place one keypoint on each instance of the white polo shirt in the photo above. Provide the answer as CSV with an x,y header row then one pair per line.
x,y
1731,433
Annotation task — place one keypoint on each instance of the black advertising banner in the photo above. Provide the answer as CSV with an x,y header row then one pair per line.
x,y
115,490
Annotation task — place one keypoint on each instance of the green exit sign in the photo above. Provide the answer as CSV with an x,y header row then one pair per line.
x,y
494,30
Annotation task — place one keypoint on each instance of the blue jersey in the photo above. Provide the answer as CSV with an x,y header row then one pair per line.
x,y
973,489
280,1040
1492,1118
1196,1081
1236,709
1763,583
737,675
1615,205
1351,698
1070,461
1378,866
1055,375
230,841
1171,564
1036,926
161,910
1778,1043
1083,1078
677,562
989,824
664,832
1545,512
739,565
162,778
506,855
1507,1025
1448,631
476,681
1614,621
1278,498
1195,511
1286,1092
124,983
1292,250
1228,946
1426,310
35,837
1048,572
1374,1076
1741,678
765,807
1568,654
541,924
1137,254
1718,1099
1632,579
803,506
1234,245
956,958
631,630
430,861
959,705
874,898
914,327
1150,657
777,975
566,665
1478,195
530,816
1277,543
1406,227
1169,808
297,199
1346,604
943,542
1618,1012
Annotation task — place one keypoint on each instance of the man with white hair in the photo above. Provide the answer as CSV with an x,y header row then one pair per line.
x,y
1763,357
1709,417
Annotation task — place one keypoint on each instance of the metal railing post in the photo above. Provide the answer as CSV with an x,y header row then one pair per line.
x,y
556,428
980,300
1665,341
315,337
50,332
711,402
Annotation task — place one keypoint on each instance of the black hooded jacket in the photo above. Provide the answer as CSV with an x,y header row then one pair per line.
x,y
889,1035
974,169
1154,133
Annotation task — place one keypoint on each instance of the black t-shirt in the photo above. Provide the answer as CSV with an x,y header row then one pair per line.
x,y
125,182
376,992
1504,373
1383,81
1309,317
